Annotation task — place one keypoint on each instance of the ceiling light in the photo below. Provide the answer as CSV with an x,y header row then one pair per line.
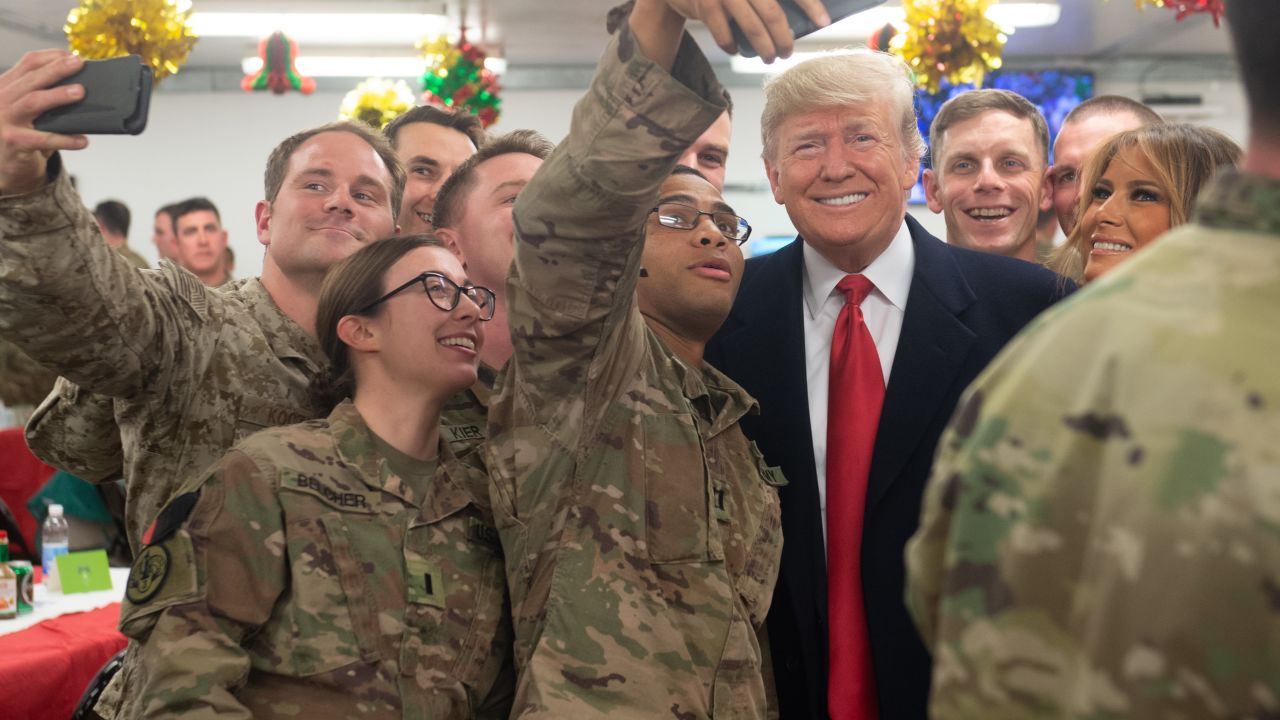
x,y
384,66
1010,14
860,26
323,28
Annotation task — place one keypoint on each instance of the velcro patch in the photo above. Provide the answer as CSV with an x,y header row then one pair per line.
x,y
146,577
425,581
171,518
341,498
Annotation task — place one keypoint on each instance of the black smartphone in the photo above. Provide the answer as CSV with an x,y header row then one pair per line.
x,y
117,96
800,23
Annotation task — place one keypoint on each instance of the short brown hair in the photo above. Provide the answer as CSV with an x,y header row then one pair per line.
x,y
971,104
1112,105
349,287
1183,157
278,161
449,200
460,120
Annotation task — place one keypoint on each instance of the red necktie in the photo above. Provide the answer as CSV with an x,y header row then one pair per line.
x,y
854,399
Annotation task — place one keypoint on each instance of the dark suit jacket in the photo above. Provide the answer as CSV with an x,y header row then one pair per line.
x,y
962,308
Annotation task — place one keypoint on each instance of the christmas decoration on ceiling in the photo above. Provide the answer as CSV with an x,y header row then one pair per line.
x,y
157,30
376,101
881,39
279,52
457,78
1189,7
950,40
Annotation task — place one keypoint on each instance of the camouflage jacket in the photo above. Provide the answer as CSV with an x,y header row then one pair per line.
x,y
23,381
641,528
192,369
302,578
1099,539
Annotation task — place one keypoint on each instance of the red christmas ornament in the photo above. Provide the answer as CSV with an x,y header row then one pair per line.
x,y
278,53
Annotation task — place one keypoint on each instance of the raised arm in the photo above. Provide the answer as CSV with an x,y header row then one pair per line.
x,y
580,221
66,298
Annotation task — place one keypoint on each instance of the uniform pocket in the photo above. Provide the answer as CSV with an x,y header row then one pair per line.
x,y
329,623
677,499
457,632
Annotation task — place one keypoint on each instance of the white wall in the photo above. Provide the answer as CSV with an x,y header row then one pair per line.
x,y
216,144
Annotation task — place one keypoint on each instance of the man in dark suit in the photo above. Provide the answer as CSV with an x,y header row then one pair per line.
x,y
895,323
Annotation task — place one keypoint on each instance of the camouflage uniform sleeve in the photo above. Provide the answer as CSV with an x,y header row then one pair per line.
x,y
226,570
79,308
76,431
580,221
23,381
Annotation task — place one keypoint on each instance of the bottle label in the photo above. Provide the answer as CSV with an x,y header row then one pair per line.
x,y
50,564
8,596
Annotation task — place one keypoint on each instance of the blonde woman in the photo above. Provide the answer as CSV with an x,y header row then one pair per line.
x,y
1137,185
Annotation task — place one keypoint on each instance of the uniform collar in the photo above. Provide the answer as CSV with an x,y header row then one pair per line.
x,y
890,273
1241,201
452,487
286,337
724,400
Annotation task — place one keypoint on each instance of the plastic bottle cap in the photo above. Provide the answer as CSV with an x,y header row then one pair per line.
x,y
55,510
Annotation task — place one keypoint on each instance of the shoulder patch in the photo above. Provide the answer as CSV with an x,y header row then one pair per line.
x,y
171,518
148,574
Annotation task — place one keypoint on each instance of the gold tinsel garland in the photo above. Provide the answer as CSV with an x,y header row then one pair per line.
x,y
155,29
949,39
376,101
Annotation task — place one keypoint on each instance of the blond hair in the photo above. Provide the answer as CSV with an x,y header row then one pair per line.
x,y
844,78
1183,157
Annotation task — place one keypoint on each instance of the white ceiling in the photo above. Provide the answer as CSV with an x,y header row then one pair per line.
x,y
566,33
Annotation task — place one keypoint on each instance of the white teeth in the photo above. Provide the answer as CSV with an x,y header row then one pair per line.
x,y
844,200
467,343
990,212
424,217
1111,247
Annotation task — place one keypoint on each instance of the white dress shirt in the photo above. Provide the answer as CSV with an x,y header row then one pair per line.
x,y
882,310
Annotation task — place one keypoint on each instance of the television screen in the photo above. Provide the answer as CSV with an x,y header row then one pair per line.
x,y
1055,92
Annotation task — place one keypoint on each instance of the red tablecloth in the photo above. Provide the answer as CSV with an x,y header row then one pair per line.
x,y
45,669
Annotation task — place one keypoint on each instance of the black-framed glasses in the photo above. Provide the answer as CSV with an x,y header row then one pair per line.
x,y
685,217
444,294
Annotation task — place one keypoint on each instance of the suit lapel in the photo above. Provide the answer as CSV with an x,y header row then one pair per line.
x,y
931,350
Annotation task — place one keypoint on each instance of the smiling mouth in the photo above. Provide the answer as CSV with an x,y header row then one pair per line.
x,y
843,200
425,217
1106,246
989,213
462,342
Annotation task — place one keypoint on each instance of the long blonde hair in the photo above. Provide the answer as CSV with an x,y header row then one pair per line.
x,y
1183,157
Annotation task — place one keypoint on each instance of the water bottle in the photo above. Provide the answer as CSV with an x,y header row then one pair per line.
x,y
53,543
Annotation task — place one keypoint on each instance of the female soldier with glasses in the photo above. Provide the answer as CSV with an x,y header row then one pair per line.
x,y
348,565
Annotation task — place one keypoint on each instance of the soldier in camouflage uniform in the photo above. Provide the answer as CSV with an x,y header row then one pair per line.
x,y
191,369
347,567
641,528
1099,539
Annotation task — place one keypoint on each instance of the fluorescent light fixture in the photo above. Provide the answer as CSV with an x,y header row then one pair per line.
x,y
860,26
323,28
387,66
1010,14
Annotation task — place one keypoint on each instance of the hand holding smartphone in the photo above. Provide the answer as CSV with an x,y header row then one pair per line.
x,y
800,22
117,97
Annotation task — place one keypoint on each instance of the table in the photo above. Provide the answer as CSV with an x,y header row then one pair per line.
x,y
49,656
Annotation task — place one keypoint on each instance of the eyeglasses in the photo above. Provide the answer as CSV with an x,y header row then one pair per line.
x,y
444,294
685,217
